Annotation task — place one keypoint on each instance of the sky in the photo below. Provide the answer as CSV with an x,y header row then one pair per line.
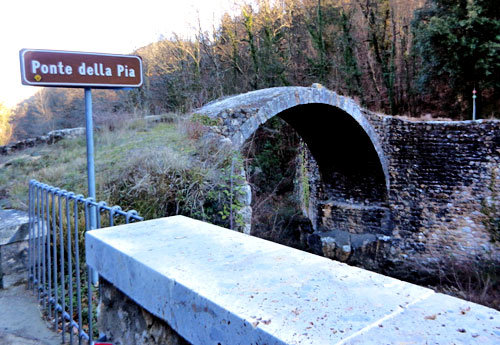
x,y
103,26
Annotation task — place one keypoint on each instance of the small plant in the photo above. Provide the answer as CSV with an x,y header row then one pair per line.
x,y
197,125
205,120
231,188
478,283
306,192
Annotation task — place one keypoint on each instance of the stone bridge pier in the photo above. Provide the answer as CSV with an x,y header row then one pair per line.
x,y
385,192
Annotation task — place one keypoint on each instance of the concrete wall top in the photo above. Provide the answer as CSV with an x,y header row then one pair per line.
x,y
216,286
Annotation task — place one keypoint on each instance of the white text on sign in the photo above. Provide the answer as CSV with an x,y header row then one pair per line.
x,y
97,69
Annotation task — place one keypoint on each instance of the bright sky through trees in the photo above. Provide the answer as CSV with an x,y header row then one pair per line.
x,y
109,26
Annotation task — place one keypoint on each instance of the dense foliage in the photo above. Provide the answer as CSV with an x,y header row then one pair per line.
x,y
358,48
409,57
459,42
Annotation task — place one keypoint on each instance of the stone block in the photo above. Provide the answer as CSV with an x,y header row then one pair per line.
x,y
13,246
13,226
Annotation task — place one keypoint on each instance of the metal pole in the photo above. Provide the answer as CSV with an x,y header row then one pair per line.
x,y
90,149
90,164
474,104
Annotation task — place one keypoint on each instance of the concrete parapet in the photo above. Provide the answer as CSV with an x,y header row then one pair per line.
x,y
216,286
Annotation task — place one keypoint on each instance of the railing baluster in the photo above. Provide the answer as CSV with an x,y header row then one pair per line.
x,y
61,247
38,239
77,269
70,268
54,249
89,287
44,249
101,205
86,211
30,229
49,256
36,274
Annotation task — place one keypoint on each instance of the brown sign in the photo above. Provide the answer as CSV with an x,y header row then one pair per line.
x,y
78,69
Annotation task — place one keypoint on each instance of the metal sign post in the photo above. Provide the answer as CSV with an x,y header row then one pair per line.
x,y
83,70
90,152
89,130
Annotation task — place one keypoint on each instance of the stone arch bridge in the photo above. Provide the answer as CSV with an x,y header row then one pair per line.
x,y
393,193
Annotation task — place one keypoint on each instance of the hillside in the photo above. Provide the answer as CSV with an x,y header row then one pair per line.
x,y
414,58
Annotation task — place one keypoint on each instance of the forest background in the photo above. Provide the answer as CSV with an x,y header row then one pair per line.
x,y
418,58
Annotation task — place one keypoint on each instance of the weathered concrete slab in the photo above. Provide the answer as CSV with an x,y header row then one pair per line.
x,y
213,285
439,319
13,226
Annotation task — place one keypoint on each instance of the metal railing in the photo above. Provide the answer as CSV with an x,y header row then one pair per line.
x,y
57,273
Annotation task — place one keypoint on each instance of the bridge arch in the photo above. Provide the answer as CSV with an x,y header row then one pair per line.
x,y
240,116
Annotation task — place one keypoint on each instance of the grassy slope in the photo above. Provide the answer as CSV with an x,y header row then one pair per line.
x,y
157,169
64,164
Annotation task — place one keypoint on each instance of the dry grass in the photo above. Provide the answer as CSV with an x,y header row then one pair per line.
x,y
468,281
157,169
64,163
185,176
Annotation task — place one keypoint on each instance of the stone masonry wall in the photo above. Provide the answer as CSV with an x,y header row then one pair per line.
x,y
126,323
441,175
51,138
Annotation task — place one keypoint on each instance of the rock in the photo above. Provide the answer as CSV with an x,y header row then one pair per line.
x,y
13,245
343,253
153,118
328,247
13,226
127,323
246,215
246,197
